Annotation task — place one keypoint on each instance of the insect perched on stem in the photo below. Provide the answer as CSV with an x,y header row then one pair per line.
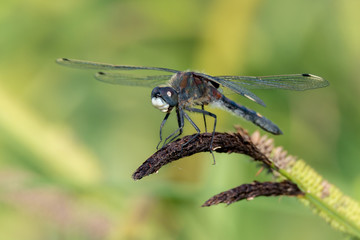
x,y
184,90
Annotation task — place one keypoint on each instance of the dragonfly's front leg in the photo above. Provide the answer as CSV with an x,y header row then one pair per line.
x,y
161,127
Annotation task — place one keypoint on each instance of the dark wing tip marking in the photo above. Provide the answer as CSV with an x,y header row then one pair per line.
x,y
59,60
306,75
63,61
101,73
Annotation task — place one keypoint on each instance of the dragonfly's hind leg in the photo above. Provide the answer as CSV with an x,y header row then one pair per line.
x,y
197,128
202,108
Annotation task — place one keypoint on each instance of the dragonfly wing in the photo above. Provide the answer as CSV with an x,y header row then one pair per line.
x,y
297,82
105,66
234,86
131,80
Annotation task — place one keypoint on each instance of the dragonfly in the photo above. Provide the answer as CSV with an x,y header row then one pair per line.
x,y
190,91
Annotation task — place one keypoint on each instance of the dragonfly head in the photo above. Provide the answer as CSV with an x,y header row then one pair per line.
x,y
164,98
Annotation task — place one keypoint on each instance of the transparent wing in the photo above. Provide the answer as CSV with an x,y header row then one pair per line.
x,y
131,80
297,82
234,86
113,76
105,66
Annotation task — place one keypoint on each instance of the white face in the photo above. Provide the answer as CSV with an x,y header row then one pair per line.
x,y
160,104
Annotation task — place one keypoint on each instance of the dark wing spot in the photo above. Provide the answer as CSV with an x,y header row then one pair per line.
x,y
215,84
201,78
101,73
65,59
306,75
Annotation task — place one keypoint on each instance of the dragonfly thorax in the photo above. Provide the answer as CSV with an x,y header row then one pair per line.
x,y
164,98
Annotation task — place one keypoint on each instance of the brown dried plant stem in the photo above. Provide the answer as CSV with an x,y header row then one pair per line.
x,y
297,178
223,143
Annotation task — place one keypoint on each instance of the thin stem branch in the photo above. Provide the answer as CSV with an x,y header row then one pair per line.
x,y
253,190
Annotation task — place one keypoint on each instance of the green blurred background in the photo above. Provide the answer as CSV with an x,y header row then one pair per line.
x,y
69,144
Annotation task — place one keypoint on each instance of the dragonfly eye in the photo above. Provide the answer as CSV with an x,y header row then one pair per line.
x,y
164,98
169,95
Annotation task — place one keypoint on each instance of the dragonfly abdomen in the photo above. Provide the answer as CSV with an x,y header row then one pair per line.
x,y
247,114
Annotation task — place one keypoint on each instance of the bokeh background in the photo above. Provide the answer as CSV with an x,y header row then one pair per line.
x,y
69,144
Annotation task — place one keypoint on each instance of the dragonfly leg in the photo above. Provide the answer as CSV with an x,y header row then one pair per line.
x,y
180,119
213,132
194,125
161,127
202,108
